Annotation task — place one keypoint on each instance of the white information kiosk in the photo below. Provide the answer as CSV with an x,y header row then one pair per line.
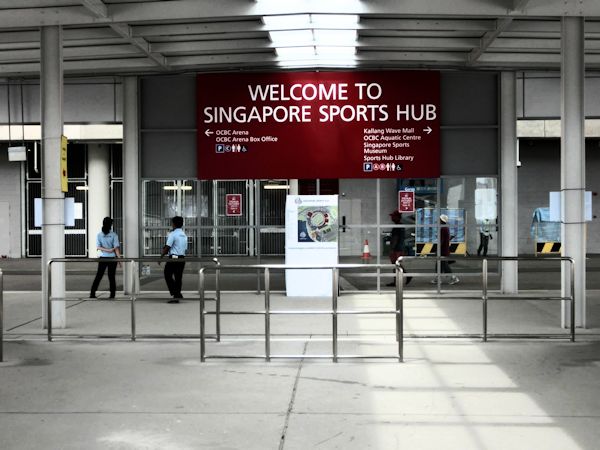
x,y
311,239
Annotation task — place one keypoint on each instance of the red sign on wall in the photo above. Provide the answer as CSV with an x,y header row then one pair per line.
x,y
319,125
406,201
233,205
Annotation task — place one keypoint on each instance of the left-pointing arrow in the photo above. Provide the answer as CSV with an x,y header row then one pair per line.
x,y
208,132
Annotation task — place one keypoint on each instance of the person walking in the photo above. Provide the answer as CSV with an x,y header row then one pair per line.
x,y
397,245
445,250
175,248
485,235
107,243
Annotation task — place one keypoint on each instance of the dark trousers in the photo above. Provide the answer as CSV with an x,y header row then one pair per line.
x,y
444,267
112,269
173,276
483,244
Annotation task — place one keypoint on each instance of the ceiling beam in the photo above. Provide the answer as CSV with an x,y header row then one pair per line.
x,y
488,39
100,10
97,7
135,12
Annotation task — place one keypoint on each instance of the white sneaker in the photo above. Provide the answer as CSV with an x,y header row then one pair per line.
x,y
454,280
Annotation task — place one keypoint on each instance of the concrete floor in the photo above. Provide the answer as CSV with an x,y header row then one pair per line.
x,y
156,394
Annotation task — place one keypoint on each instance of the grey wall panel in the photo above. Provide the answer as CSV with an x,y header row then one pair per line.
x,y
520,104
539,174
168,155
119,103
84,102
542,97
469,98
472,151
168,102
10,192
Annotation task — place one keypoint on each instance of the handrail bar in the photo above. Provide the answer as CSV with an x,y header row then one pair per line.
x,y
335,268
334,312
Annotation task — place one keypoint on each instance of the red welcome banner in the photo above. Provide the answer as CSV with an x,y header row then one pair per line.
x,y
319,125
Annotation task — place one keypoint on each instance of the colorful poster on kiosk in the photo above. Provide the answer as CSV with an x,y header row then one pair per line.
x,y
308,125
311,239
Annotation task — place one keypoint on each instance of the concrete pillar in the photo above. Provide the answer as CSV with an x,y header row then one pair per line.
x,y
131,176
572,157
98,191
509,182
53,221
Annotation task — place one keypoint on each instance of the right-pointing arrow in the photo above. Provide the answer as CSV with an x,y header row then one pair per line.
x,y
428,130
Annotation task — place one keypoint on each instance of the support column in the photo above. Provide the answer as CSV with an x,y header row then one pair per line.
x,y
98,192
572,157
131,176
53,221
509,182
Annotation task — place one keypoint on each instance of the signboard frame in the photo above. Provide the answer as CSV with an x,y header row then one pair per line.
x,y
229,210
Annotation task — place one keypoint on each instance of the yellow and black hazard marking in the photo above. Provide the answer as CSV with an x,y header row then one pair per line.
x,y
458,248
430,248
548,247
427,248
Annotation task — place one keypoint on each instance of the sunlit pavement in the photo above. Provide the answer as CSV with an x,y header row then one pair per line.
x,y
449,393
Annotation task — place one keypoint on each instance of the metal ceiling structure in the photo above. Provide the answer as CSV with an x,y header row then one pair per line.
x,y
162,36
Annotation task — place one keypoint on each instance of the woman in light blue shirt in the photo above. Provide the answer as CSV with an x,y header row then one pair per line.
x,y
108,246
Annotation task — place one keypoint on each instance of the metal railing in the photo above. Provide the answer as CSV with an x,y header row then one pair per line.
x,y
133,297
267,312
399,275
335,312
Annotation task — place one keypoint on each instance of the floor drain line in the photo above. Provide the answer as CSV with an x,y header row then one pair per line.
x,y
292,400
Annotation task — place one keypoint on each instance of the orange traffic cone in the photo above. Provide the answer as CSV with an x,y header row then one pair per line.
x,y
366,252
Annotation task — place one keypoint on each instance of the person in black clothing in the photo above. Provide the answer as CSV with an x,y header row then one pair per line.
x,y
445,250
397,244
484,237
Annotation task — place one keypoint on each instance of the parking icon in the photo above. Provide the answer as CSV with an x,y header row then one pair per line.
x,y
220,148
368,167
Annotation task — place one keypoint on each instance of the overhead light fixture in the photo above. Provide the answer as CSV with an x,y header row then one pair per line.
x,y
295,52
308,39
82,188
290,38
276,186
342,38
173,187
287,21
334,20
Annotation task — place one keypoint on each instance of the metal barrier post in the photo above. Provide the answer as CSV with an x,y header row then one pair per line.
x,y
334,304
49,302
267,314
258,282
202,337
484,280
134,287
218,298
400,310
572,300
1,316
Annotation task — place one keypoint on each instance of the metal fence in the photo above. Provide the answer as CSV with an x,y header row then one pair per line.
x,y
334,312
133,297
